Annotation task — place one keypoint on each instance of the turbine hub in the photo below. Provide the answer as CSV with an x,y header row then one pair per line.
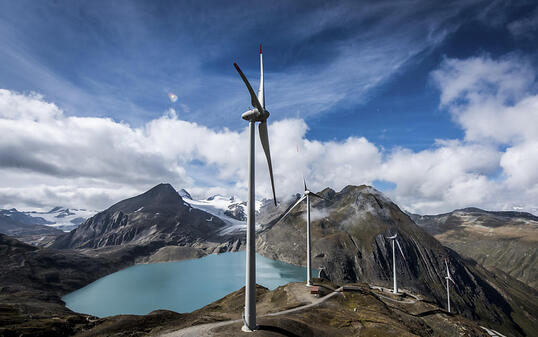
x,y
255,115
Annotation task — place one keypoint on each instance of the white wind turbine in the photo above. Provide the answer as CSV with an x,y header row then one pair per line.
x,y
393,239
257,114
448,277
306,195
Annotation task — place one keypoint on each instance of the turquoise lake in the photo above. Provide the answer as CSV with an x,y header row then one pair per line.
x,y
181,286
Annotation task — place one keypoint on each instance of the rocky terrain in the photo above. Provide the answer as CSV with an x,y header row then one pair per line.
x,y
348,241
32,281
506,241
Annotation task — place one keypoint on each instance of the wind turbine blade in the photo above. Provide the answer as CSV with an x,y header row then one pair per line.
x,y
291,208
261,91
304,181
264,138
319,196
254,100
400,247
392,237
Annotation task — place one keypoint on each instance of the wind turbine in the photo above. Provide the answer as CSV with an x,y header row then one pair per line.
x,y
257,114
448,277
393,239
306,195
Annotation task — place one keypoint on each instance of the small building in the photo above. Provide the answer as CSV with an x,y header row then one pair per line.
x,y
314,290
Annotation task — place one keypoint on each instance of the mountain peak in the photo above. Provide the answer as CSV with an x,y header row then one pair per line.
x,y
55,209
162,188
160,193
354,188
185,194
156,199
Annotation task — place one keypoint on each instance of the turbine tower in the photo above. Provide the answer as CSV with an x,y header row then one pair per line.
x,y
393,239
306,195
448,277
257,114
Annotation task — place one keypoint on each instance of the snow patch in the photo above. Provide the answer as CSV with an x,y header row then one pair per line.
x,y
217,205
63,218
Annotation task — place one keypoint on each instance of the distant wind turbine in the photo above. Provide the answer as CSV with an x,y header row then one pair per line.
x,y
393,239
257,114
306,195
448,277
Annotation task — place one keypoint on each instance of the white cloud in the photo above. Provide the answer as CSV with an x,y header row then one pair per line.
x,y
48,158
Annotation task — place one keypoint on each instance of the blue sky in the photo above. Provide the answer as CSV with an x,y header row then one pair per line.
x,y
120,59
345,68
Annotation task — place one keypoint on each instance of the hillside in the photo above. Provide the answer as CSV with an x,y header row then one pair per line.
x,y
497,240
348,235
32,281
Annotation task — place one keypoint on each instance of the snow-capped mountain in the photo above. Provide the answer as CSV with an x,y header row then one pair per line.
x,y
63,218
231,210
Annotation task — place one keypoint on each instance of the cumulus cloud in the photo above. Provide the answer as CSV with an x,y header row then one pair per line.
x,y
49,158
496,104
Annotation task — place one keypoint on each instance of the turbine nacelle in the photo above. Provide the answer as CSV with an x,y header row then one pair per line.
x,y
394,237
306,194
448,276
255,115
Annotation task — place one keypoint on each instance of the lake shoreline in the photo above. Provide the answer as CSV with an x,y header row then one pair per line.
x,y
142,288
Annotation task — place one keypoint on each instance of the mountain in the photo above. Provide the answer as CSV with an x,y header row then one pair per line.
x,y
349,241
26,228
497,240
157,216
63,218
184,194
231,210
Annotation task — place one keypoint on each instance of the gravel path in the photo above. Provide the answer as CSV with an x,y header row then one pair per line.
x,y
204,330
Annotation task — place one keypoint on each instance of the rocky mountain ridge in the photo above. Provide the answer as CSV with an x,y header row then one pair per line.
x,y
32,230
505,241
158,215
